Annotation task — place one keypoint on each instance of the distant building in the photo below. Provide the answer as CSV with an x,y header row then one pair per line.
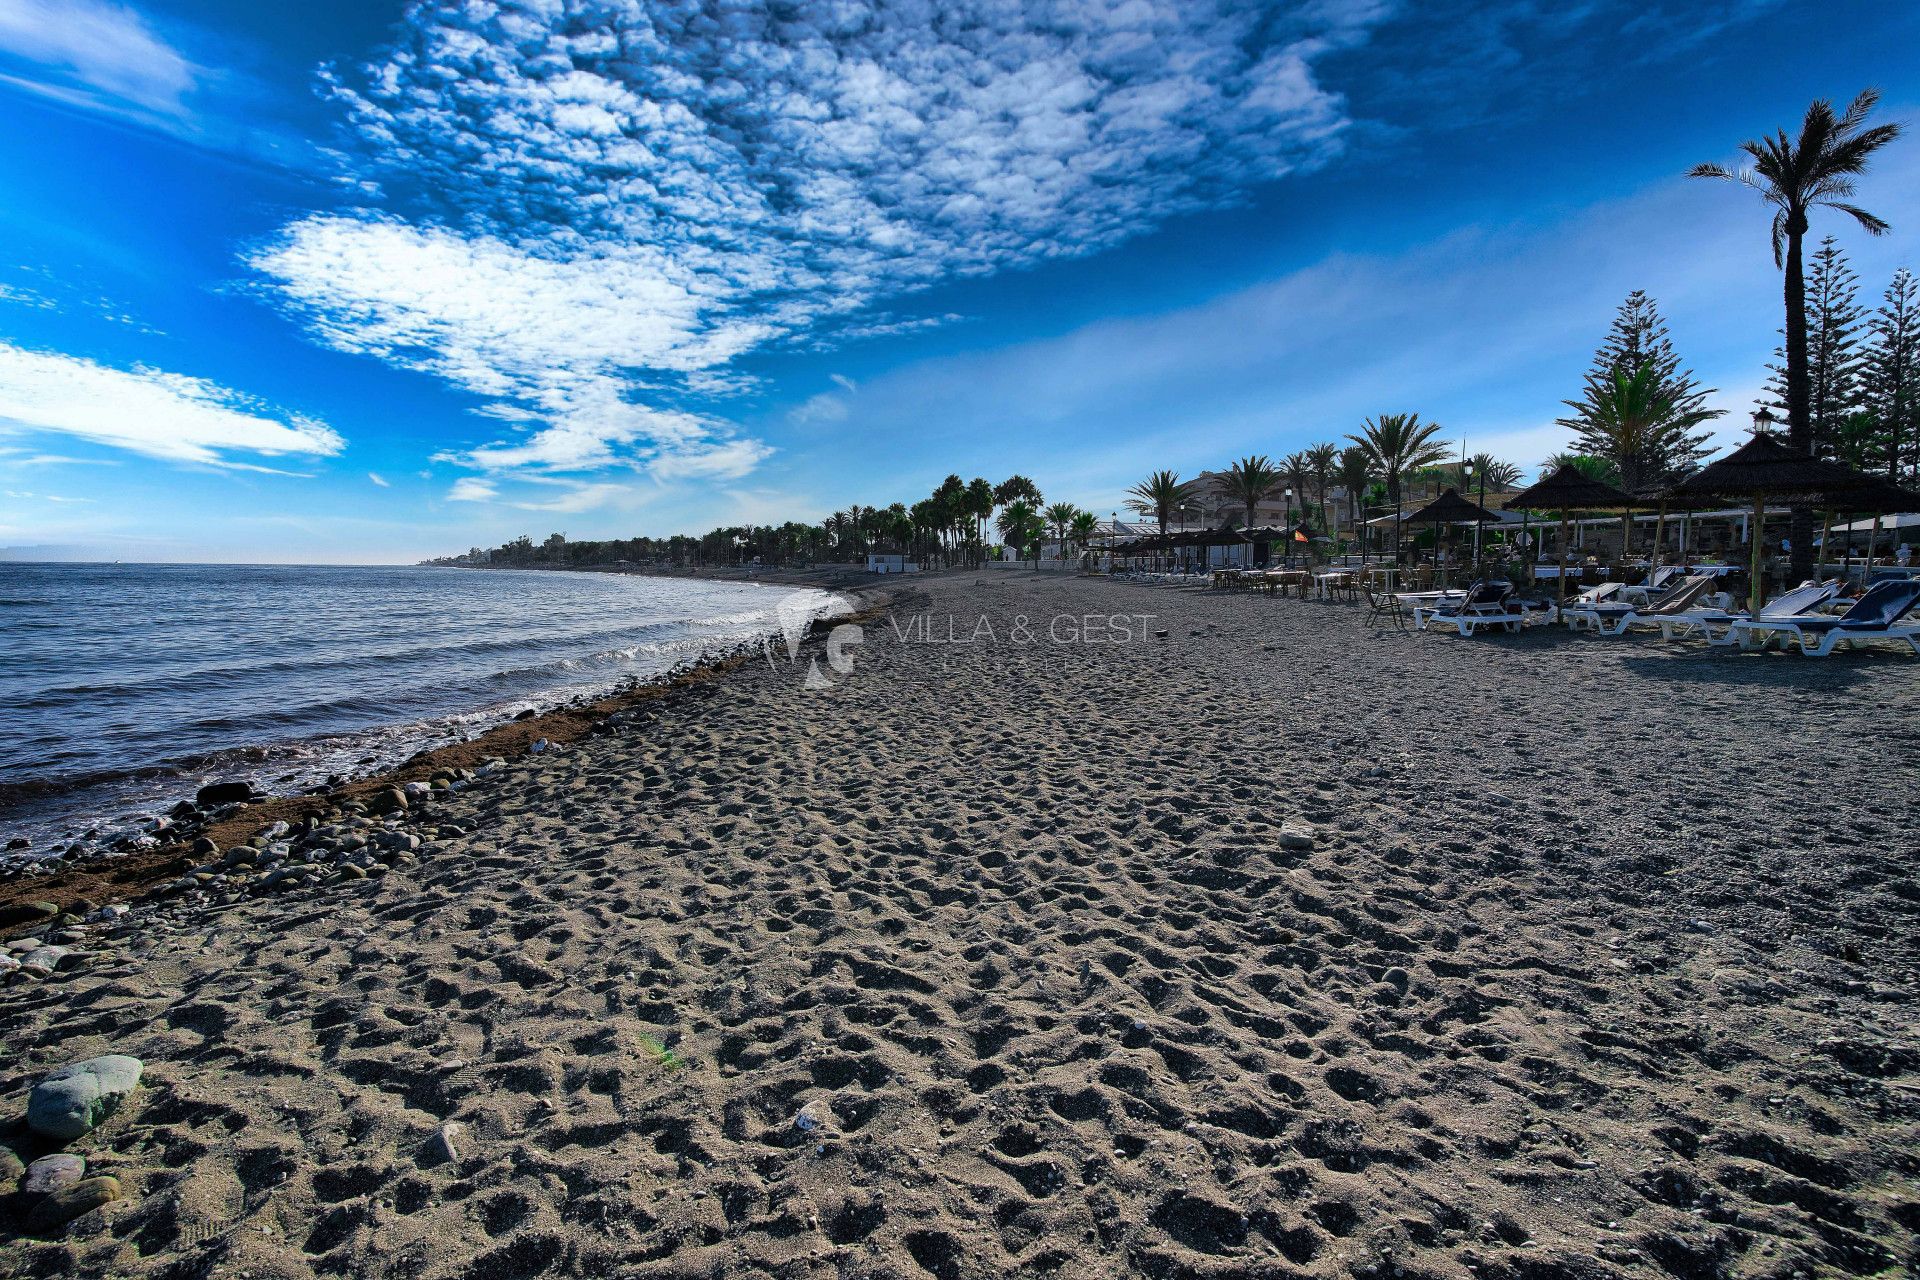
x,y
889,562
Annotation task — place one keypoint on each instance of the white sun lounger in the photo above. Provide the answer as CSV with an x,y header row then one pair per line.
x,y
1486,605
1612,620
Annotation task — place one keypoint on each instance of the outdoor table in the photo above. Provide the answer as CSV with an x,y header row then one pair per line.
x,y
1337,580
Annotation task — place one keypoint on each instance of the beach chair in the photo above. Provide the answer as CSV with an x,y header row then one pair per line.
x,y
1658,583
1877,615
1800,601
1484,605
1615,619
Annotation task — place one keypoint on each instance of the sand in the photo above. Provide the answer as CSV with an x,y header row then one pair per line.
x,y
1279,946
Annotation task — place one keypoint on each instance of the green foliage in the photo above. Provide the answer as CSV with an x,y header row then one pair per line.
x,y
1638,340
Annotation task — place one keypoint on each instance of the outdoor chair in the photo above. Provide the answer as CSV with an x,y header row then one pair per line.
x,y
1615,619
1485,605
1802,600
1877,615
1383,602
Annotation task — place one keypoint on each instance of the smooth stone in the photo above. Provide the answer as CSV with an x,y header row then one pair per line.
x,y
1397,978
68,1203
71,1101
1294,835
387,800
50,1173
45,960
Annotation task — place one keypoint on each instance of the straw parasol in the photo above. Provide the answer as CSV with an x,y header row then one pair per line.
x,y
1450,508
1768,471
1570,489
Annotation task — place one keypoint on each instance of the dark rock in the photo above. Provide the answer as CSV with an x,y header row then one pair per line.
x,y
216,794
68,1203
50,1173
27,913
386,800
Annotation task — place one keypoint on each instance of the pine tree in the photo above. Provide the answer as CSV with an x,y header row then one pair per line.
x,y
1835,358
1639,338
1892,376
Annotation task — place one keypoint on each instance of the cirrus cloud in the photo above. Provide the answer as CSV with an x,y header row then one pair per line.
x,y
589,208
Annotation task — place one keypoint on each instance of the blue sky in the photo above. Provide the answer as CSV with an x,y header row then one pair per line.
x,y
369,282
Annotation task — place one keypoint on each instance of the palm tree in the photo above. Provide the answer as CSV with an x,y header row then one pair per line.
x,y
1322,461
1060,515
1085,525
1397,444
1160,495
1020,525
1498,473
1637,421
1355,473
1250,482
979,506
1299,476
1796,176
1640,424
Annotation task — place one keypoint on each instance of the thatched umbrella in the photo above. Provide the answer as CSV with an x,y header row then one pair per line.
x,y
1450,508
1569,489
1768,471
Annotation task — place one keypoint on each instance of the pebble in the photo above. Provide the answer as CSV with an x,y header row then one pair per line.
x,y
449,1140
50,1173
1296,835
71,1101
68,1203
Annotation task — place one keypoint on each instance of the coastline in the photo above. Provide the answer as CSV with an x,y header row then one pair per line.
x,y
1250,940
110,876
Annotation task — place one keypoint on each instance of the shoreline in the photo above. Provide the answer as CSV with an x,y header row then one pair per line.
x,y
1258,940
124,876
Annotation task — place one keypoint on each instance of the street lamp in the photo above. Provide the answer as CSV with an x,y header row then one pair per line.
x,y
1289,492
1466,478
1763,420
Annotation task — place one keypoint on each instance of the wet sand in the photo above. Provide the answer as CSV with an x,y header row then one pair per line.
x,y
1277,946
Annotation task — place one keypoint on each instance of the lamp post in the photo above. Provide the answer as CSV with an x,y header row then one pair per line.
x,y
1466,476
1289,493
1113,537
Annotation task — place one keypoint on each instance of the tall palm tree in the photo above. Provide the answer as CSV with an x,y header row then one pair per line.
x,y
979,506
1299,478
1250,482
1795,176
1060,515
1322,461
1396,444
1160,495
1355,473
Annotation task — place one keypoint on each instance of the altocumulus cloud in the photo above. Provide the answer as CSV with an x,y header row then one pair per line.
x,y
588,207
148,411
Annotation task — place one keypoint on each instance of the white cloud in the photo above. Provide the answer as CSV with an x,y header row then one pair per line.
x,y
102,55
378,479
148,411
825,407
640,197
472,489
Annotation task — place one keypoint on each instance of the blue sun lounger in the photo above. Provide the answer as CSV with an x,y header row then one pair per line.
x,y
1878,615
